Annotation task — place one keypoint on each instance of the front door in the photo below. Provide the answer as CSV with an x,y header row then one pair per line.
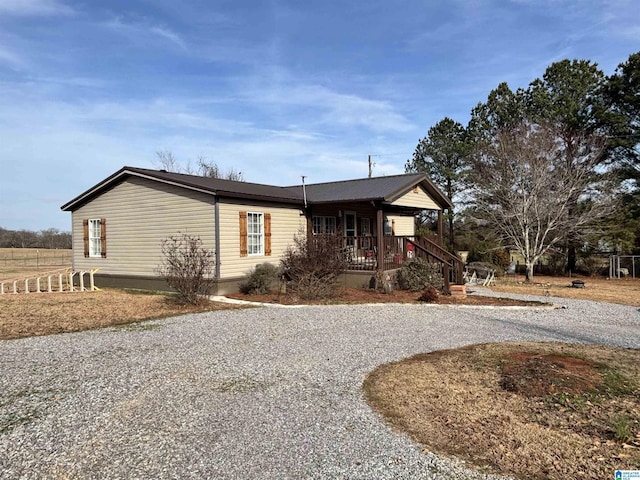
x,y
350,228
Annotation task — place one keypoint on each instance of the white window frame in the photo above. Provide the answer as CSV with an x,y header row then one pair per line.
x,y
255,233
95,237
323,225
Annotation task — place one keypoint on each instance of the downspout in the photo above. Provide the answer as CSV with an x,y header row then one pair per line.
x,y
216,210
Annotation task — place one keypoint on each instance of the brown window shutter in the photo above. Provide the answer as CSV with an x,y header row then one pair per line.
x,y
85,236
243,234
103,237
267,234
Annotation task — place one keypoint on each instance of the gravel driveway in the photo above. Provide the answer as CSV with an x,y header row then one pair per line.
x,y
257,393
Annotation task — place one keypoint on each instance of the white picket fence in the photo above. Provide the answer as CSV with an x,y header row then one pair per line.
x,y
51,282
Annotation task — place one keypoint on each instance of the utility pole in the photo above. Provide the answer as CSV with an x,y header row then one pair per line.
x,y
370,166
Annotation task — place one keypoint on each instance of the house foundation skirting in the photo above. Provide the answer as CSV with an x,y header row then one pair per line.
x,y
353,279
153,283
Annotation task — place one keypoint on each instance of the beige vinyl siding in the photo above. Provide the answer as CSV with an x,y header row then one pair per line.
x,y
402,225
417,198
139,214
285,223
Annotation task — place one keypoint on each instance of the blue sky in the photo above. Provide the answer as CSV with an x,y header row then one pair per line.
x,y
275,89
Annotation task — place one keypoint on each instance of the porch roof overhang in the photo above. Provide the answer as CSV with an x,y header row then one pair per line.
x,y
381,190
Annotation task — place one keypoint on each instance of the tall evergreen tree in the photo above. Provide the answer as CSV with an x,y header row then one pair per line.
x,y
569,96
443,156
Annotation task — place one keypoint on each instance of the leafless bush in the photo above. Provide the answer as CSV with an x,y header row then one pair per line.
x,y
313,266
187,267
429,295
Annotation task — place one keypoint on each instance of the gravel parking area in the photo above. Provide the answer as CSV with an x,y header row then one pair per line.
x,y
257,393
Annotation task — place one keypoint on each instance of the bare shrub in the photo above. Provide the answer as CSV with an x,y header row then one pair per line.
x,y
187,267
260,279
312,266
429,295
416,274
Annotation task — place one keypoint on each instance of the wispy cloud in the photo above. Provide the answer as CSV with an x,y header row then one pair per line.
x,y
10,58
34,7
141,31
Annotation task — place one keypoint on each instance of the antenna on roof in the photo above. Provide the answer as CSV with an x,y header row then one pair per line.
x,y
371,165
304,192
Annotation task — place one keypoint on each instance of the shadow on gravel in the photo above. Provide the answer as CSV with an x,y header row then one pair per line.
x,y
554,333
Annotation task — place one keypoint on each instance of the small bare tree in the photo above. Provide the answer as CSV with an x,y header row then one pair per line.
x,y
187,267
527,191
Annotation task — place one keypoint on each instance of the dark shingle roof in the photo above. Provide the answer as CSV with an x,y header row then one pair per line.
x,y
384,189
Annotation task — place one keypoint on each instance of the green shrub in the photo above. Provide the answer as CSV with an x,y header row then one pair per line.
x,y
260,279
417,274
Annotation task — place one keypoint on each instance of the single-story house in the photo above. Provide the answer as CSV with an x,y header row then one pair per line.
x,y
119,223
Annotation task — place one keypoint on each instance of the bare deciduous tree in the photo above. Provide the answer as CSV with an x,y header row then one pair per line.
x,y
530,195
205,168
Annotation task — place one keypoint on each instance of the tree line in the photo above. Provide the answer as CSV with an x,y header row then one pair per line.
x,y
551,168
50,238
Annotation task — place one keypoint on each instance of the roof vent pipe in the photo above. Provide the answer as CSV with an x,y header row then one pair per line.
x,y
304,192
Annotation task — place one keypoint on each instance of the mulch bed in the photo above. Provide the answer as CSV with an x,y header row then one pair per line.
x,y
362,295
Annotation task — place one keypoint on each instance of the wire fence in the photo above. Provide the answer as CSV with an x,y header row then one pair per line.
x,y
37,259
621,266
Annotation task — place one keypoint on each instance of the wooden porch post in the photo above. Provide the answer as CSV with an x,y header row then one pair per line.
x,y
380,236
440,227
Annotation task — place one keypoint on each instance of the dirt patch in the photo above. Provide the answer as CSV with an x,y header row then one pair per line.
x,y
26,315
532,410
541,375
362,295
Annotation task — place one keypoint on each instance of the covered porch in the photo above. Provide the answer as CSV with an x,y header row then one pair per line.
x,y
367,254
375,222
382,237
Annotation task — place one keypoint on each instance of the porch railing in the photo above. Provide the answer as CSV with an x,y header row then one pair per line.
x,y
362,254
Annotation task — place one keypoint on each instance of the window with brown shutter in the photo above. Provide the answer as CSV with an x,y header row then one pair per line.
x,y
243,234
267,234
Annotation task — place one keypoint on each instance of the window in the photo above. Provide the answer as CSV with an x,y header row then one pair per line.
x,y
95,237
95,249
365,226
365,231
388,229
324,225
255,233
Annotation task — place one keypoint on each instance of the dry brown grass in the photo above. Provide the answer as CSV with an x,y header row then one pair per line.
x,y
579,416
624,291
26,315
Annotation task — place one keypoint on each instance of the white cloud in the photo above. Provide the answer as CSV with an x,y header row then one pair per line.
x,y
34,7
